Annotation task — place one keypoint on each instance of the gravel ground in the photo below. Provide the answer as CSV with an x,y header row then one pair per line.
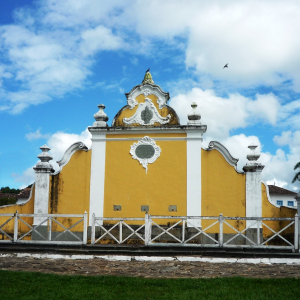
x,y
161,269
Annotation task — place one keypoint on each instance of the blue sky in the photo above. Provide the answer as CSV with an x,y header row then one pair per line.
x,y
60,59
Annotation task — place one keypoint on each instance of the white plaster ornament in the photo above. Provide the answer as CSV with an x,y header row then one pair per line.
x,y
45,157
194,116
146,90
147,114
145,151
100,117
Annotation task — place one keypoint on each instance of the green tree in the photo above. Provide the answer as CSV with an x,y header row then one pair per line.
x,y
297,175
9,190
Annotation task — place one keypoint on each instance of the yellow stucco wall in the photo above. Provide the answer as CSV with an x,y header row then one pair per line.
x,y
223,191
271,211
128,185
127,112
26,208
70,189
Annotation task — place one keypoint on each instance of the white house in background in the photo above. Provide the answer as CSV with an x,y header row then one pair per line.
x,y
282,197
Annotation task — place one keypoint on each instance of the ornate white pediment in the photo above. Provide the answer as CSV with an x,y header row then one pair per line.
x,y
146,90
145,151
147,114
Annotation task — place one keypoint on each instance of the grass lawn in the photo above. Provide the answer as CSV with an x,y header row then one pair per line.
x,y
23,285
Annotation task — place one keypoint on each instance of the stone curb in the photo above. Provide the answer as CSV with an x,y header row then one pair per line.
x,y
288,261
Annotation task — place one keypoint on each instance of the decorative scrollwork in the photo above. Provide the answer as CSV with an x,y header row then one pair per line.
x,y
147,114
145,151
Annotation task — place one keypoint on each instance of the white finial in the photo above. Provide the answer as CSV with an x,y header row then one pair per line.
x,y
194,116
253,155
45,157
100,117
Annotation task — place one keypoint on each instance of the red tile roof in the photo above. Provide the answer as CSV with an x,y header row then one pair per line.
x,y
275,190
7,195
24,194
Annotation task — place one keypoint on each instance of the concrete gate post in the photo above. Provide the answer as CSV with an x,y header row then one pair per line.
x,y
253,171
41,199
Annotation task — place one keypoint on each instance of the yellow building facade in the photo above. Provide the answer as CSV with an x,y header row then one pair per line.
x,y
146,161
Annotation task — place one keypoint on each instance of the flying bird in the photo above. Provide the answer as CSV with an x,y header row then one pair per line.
x,y
148,70
226,66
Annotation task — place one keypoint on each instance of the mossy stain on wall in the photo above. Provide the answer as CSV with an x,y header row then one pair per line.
x,y
55,189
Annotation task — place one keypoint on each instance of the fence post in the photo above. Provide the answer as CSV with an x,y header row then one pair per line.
x,y
50,229
93,230
16,227
120,232
258,232
183,230
146,229
84,239
296,238
221,230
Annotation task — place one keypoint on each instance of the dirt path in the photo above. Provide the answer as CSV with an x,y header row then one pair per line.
x,y
161,269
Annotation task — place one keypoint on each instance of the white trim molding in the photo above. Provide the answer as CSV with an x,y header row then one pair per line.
x,y
194,184
150,109
97,172
68,154
214,145
155,151
268,194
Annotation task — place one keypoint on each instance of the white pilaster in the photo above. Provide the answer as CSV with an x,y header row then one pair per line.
x,y
98,132
193,162
253,171
97,173
194,141
42,182
253,195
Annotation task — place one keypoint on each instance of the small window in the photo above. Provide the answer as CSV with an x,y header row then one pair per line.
x,y
279,202
290,203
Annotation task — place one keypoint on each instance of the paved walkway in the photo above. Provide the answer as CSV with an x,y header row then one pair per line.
x,y
174,267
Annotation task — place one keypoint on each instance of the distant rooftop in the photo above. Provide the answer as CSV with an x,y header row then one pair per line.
x,y
275,190
24,194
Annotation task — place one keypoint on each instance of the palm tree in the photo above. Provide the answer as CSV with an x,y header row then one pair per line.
x,y
297,175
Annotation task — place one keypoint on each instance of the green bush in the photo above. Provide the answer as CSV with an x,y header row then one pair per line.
x,y
9,190
7,201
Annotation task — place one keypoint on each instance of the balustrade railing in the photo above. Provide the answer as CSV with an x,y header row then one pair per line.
x,y
17,228
196,231
186,231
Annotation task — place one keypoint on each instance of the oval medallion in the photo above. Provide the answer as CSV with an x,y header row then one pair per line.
x,y
144,151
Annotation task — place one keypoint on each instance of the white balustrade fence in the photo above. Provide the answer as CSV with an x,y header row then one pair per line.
x,y
43,232
182,232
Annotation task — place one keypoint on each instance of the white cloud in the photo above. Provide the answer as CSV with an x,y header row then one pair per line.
x,y
224,114
51,47
279,168
27,177
47,61
259,39
265,107
99,38
58,142
36,135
